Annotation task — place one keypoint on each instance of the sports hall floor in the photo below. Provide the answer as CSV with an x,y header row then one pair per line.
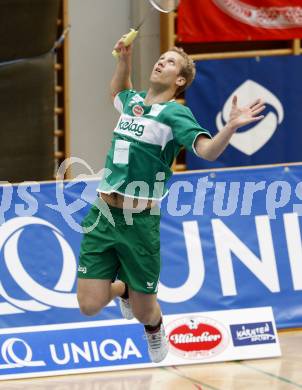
x,y
283,373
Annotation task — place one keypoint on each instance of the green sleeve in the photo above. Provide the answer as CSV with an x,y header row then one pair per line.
x,y
186,128
121,98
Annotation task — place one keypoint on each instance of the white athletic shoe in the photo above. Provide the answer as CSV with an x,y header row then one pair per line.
x,y
158,346
126,308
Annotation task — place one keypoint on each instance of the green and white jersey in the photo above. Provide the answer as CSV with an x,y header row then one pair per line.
x,y
145,142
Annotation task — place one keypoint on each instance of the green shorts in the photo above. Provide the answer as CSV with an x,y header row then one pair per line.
x,y
130,253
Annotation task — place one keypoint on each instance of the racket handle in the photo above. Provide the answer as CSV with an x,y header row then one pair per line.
x,y
127,39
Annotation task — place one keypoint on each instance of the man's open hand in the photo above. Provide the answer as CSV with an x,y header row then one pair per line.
x,y
241,116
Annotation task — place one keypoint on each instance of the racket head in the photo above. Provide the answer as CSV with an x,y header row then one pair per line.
x,y
165,6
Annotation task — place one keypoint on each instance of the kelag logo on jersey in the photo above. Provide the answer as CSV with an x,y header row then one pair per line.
x,y
253,333
132,126
274,139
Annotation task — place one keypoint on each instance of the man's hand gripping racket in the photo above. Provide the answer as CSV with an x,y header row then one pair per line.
x,y
164,6
126,39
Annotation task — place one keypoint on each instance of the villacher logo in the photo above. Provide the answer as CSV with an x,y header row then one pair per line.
x,y
197,337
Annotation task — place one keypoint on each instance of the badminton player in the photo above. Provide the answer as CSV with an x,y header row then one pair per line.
x,y
120,257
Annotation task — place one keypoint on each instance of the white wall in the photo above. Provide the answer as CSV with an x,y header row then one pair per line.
x,y
147,45
95,27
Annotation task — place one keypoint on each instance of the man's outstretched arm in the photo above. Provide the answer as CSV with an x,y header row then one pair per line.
x,y
210,149
121,78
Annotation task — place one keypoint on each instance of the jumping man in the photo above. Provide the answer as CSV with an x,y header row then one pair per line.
x,y
149,135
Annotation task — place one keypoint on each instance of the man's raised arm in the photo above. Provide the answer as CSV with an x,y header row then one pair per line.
x,y
121,78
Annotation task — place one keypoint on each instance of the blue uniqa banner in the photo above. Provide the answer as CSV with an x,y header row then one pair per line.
x,y
230,239
276,80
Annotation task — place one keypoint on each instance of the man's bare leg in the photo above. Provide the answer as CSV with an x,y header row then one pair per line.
x,y
145,307
94,294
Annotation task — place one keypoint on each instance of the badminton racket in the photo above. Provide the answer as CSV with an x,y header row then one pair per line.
x,y
164,6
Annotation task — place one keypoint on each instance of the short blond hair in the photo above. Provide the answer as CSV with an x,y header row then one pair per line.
x,y
188,70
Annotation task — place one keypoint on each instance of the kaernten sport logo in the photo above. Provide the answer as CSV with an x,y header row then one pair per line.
x,y
197,337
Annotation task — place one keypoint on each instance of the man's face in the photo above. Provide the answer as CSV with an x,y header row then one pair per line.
x,y
166,70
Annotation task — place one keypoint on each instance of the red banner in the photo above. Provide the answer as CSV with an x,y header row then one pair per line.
x,y
239,20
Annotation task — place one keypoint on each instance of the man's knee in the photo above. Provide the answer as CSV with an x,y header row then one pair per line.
x,y
90,307
93,295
